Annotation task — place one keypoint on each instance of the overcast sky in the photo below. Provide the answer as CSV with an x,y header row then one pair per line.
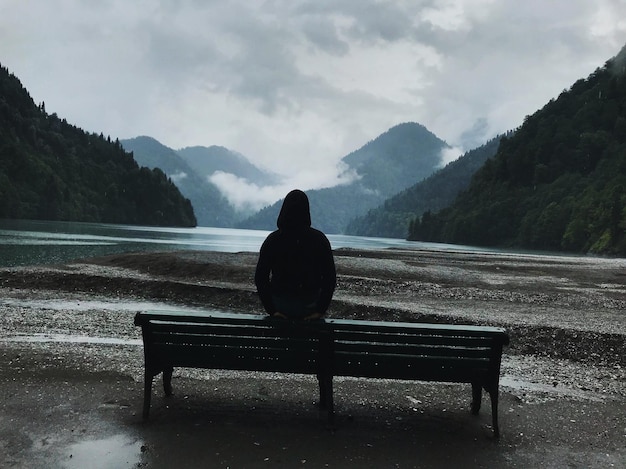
x,y
296,85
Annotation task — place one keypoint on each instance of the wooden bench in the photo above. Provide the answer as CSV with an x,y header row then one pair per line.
x,y
326,348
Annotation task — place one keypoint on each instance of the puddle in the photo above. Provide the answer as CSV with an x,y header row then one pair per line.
x,y
87,305
555,391
73,339
118,451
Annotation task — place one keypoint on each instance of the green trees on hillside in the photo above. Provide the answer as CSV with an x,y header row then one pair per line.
x,y
558,183
52,170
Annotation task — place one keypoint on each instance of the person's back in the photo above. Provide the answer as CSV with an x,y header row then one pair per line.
x,y
295,274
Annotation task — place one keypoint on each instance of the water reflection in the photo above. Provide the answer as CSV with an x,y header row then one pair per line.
x,y
70,339
117,451
549,391
29,242
59,304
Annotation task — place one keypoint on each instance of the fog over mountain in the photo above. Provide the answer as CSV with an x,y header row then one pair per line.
x,y
227,189
393,161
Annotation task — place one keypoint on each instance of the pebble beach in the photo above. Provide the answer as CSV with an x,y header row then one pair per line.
x,y
72,366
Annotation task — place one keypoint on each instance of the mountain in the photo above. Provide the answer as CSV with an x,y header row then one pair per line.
x,y
51,170
208,160
211,208
392,218
558,183
396,159
384,166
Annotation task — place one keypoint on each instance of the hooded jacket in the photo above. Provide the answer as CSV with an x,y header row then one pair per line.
x,y
296,260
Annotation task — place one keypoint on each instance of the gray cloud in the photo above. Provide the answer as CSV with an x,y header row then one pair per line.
x,y
295,86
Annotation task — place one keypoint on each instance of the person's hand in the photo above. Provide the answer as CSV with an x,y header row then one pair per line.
x,y
312,317
279,315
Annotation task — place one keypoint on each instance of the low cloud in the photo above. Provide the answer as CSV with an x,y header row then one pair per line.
x,y
178,177
246,196
449,154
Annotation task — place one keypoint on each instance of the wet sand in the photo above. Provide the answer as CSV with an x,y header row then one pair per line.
x,y
72,367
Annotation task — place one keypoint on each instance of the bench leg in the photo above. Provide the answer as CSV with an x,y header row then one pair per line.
x,y
326,397
147,393
493,393
477,394
492,390
320,382
147,387
323,386
167,381
330,404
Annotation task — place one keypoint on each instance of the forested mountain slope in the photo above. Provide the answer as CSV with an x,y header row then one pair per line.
x,y
210,206
51,170
558,183
395,160
439,190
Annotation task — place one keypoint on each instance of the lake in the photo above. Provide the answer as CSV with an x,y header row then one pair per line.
x,y
30,242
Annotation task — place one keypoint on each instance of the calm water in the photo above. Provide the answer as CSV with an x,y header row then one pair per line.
x,y
26,242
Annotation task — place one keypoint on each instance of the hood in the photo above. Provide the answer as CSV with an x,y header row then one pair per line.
x,y
295,213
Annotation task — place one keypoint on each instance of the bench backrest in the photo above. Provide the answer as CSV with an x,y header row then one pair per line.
x,y
346,347
232,341
416,351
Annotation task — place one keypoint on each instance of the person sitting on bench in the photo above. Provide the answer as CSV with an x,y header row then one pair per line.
x,y
295,273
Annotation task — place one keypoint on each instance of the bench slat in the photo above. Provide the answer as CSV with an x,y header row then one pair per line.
x,y
262,329
411,327
417,339
409,367
215,318
299,345
235,358
442,350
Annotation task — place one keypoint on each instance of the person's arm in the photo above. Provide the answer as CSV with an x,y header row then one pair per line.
x,y
262,278
329,277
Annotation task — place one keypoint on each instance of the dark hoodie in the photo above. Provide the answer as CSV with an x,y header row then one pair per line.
x,y
296,261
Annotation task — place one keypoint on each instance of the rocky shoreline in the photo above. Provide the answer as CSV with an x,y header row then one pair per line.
x,y
565,314
559,307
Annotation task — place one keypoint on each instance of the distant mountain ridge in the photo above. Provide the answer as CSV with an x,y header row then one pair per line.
x,y
393,161
210,206
192,170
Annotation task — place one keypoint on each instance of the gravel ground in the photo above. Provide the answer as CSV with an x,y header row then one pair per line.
x,y
72,366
